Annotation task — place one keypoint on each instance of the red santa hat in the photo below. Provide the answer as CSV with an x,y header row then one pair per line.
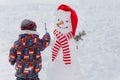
x,y
74,17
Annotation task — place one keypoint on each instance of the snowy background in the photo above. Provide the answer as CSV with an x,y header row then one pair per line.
x,y
99,52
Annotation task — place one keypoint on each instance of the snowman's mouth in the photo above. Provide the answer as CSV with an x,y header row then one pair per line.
x,y
63,27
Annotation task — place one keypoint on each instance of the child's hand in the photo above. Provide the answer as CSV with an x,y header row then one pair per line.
x,y
46,37
47,34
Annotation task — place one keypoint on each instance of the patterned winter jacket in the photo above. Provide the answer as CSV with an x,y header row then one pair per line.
x,y
26,53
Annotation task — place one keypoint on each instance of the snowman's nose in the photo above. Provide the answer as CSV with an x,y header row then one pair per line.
x,y
60,23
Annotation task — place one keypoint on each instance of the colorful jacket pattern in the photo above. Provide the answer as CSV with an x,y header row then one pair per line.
x,y
26,53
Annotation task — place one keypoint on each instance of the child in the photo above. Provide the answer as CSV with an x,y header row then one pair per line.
x,y
26,52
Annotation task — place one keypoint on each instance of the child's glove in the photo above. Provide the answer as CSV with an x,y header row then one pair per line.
x,y
47,34
47,37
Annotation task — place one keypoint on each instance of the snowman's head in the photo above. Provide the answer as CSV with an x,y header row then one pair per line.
x,y
66,19
63,21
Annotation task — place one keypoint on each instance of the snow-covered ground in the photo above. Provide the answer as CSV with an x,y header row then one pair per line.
x,y
99,52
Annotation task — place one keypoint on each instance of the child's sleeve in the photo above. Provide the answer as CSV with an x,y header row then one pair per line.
x,y
12,55
46,40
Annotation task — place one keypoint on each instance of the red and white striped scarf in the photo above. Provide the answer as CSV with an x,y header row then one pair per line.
x,y
62,42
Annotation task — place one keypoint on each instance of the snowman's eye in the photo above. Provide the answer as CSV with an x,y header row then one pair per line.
x,y
66,21
58,19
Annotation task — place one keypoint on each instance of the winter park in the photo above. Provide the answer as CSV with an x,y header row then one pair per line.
x,y
92,54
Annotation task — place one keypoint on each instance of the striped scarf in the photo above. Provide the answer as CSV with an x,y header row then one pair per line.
x,y
62,42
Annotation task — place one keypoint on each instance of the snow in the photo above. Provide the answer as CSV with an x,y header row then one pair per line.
x,y
99,56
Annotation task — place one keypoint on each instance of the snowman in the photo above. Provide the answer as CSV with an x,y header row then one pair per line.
x,y
64,64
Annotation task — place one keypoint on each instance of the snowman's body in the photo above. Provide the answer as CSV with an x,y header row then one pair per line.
x,y
58,70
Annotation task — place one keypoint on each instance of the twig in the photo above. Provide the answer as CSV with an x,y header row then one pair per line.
x,y
45,27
